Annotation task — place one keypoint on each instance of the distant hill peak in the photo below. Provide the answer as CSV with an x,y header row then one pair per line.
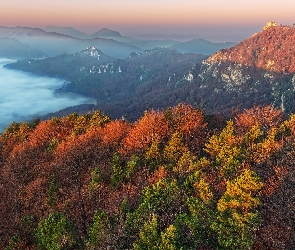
x,y
105,32
68,31
201,46
270,49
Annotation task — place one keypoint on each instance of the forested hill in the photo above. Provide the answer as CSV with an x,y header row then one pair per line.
x,y
92,73
271,49
174,179
259,70
150,79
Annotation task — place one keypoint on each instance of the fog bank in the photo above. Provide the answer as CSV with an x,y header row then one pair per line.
x,y
25,96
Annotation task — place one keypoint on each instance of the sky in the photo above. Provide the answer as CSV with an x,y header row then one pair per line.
x,y
219,20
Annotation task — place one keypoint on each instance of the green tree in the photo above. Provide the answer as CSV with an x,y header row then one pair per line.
x,y
52,192
198,221
132,165
226,150
99,236
118,170
98,119
149,236
57,233
162,199
153,155
95,180
168,239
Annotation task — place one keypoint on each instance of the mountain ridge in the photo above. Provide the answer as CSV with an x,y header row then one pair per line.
x,y
70,31
266,53
105,32
53,43
241,76
114,81
201,46
13,49
197,46
219,84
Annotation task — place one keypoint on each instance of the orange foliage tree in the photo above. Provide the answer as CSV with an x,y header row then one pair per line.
x,y
152,127
189,122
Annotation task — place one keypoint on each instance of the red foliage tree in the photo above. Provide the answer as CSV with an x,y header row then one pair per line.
x,y
265,116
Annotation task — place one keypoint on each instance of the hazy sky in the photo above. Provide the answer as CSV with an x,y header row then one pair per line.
x,y
213,19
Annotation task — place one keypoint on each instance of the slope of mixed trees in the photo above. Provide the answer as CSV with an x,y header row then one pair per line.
x,y
173,179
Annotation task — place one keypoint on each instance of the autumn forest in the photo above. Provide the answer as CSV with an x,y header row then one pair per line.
x,y
173,179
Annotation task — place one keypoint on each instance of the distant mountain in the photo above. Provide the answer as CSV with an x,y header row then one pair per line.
x,y
150,44
65,66
69,31
201,46
259,70
105,33
13,49
145,44
56,40
52,43
142,44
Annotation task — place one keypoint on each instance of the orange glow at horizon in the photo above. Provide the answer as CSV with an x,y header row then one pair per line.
x,y
132,13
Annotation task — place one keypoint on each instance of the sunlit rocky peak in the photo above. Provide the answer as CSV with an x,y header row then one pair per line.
x,y
270,24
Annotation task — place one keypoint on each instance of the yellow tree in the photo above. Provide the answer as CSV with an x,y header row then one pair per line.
x,y
174,148
225,149
237,217
268,146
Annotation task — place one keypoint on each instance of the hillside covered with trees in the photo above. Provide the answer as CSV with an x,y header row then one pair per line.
x,y
173,179
270,49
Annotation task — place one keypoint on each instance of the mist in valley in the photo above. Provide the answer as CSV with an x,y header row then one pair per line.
x,y
24,96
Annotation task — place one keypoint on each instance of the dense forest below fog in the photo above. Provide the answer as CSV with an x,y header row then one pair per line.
x,y
173,179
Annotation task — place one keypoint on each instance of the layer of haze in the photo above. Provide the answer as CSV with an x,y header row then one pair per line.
x,y
212,19
24,96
